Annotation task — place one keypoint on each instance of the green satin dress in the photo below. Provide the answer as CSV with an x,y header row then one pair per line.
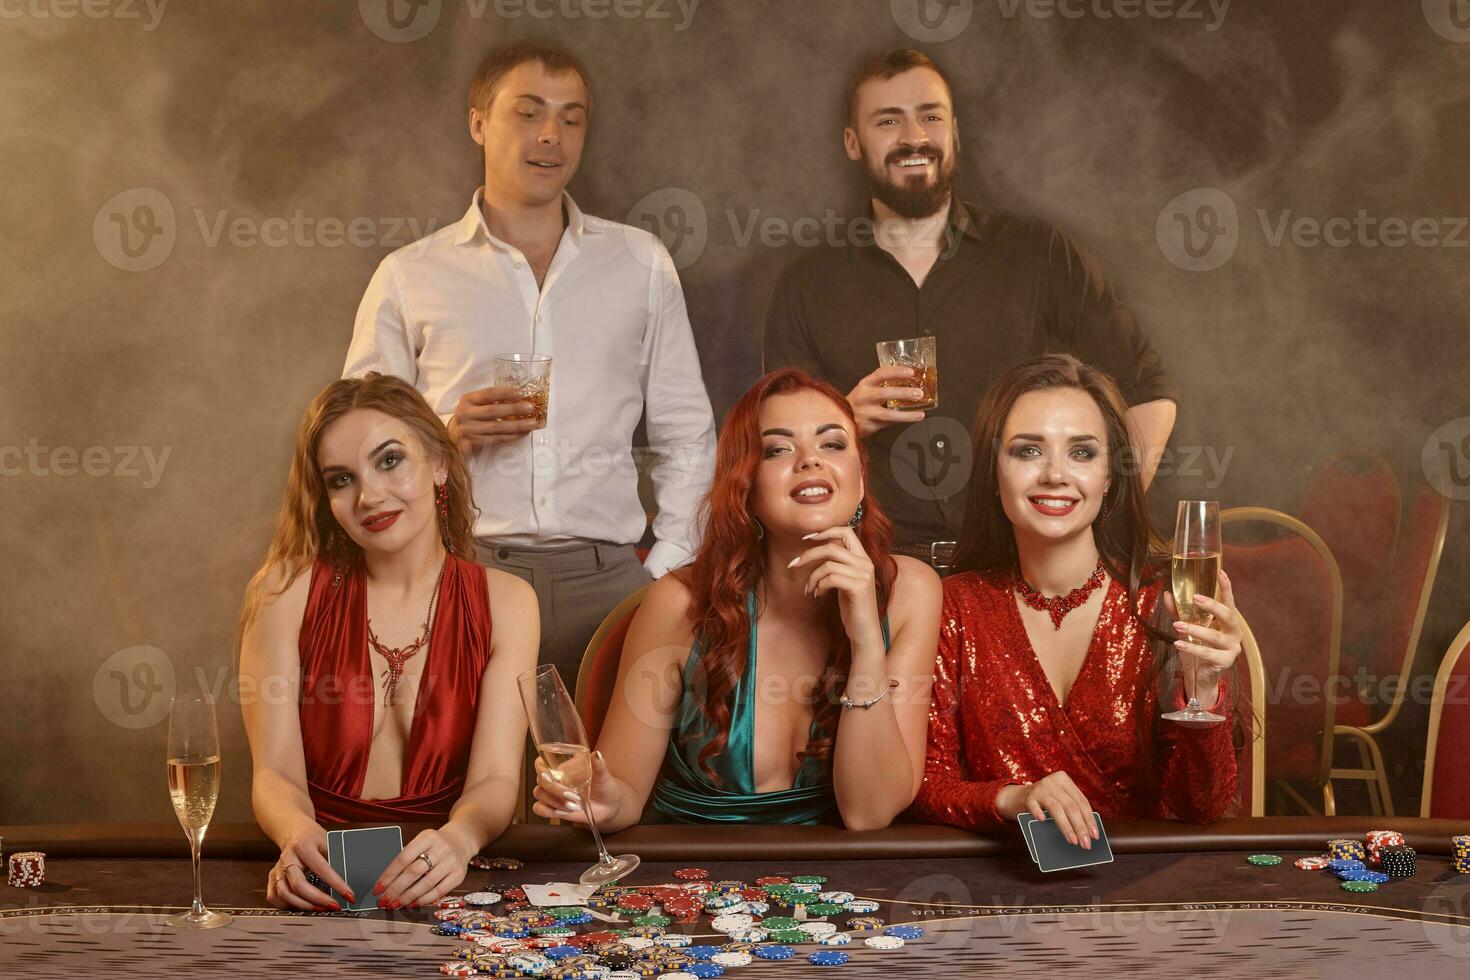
x,y
684,794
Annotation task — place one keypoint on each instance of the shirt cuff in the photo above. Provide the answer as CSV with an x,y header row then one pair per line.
x,y
665,556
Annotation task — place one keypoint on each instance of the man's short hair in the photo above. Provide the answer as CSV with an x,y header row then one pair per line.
x,y
885,66
500,61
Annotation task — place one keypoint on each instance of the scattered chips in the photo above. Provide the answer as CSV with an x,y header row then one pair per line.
x,y
1265,860
883,942
1359,886
1313,863
828,957
776,952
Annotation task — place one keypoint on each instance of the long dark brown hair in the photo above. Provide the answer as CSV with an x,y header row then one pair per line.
x,y
1132,551
732,559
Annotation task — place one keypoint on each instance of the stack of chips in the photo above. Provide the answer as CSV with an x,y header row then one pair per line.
x,y
1347,849
1397,861
1460,853
27,869
1379,839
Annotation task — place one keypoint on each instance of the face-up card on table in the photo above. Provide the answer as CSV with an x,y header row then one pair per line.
x,y
558,893
1053,852
361,857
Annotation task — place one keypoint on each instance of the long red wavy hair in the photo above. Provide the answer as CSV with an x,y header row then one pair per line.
x,y
732,559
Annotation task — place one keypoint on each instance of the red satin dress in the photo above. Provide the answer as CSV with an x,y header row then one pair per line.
x,y
994,719
338,699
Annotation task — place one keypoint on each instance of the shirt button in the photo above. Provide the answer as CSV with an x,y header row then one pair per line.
x,y
518,265
543,501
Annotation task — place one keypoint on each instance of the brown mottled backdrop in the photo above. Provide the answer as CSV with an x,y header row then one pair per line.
x,y
182,268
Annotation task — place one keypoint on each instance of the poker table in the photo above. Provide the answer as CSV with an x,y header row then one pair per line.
x,y
1177,901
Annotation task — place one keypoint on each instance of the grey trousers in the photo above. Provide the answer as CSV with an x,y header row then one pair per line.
x,y
576,585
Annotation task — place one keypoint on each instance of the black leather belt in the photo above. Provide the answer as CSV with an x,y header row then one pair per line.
x,y
940,554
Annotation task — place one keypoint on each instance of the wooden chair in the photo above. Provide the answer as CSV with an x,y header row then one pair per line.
x,y
1252,777
1449,723
1293,591
599,671
1404,592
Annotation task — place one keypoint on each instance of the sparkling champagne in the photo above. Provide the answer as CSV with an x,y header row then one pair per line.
x,y
1195,574
570,765
193,786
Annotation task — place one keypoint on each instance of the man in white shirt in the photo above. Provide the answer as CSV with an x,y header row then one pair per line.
x,y
526,271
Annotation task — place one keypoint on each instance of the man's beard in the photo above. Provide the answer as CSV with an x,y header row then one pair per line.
x,y
911,197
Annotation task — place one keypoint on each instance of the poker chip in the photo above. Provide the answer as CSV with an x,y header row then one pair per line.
x,y
835,939
817,929
772,880
861,906
1377,877
788,936
674,940
651,920
730,958
778,922
1359,886
678,975
691,874
481,899
827,957
457,968
731,923
776,952
1345,864
1347,848
1397,861
864,923
1460,853
836,898
1312,863
905,932
703,970
883,942
808,879
1264,860
26,869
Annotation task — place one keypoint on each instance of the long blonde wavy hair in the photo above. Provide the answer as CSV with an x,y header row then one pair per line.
x,y
306,527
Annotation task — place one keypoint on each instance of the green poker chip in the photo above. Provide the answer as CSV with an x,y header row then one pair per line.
x,y
779,923
809,879
1359,886
788,936
1264,860
652,920
565,911
821,909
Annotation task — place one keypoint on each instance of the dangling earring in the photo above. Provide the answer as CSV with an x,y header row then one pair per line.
x,y
337,555
1102,512
442,494
857,516
760,529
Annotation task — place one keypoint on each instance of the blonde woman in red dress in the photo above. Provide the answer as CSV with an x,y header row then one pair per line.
x,y
1059,636
381,659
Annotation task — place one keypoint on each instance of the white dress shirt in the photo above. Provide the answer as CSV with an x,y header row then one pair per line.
x,y
611,315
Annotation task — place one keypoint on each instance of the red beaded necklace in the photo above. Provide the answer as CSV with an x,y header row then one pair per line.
x,y
1058,606
398,657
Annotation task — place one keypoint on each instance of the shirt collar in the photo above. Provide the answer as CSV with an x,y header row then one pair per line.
x,y
960,221
473,222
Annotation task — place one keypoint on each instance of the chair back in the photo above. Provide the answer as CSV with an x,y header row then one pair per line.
x,y
1446,762
599,672
1250,676
1286,580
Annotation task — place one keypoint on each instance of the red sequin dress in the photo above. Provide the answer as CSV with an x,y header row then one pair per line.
x,y
995,720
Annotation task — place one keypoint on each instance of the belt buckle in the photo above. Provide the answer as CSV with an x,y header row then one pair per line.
x,y
941,553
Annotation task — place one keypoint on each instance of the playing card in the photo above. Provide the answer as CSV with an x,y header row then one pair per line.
x,y
558,893
366,854
1053,852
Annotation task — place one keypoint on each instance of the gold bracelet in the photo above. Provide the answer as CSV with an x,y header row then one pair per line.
x,y
848,702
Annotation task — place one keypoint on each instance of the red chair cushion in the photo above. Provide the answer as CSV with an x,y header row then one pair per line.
x,y
1450,781
603,675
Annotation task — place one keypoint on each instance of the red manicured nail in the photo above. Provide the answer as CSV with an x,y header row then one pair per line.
x,y
336,907
377,889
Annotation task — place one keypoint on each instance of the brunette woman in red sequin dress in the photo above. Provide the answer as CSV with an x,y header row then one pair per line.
x,y
374,687
1059,636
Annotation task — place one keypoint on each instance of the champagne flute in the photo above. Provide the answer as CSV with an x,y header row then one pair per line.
x,y
193,786
1196,571
556,728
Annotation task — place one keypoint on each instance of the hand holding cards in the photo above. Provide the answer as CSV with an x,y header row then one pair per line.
x,y
1053,852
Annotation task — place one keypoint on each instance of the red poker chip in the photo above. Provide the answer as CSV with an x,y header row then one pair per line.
x,y
592,938
1312,863
691,874
754,894
515,893
773,880
635,903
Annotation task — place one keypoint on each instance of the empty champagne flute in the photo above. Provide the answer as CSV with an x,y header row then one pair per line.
x,y
193,786
1195,571
557,730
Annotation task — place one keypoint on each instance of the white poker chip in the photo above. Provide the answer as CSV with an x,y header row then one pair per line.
x,y
636,942
530,962
817,929
807,888
732,922
623,975
678,975
883,942
835,939
730,959
750,935
861,906
675,940
482,898
837,898
758,908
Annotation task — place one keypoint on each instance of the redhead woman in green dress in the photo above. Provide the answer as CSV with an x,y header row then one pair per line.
x,y
783,676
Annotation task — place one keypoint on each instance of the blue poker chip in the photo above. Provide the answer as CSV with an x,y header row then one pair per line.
x,y
1345,864
828,957
1377,877
576,920
562,952
701,952
447,929
704,970
774,952
905,932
